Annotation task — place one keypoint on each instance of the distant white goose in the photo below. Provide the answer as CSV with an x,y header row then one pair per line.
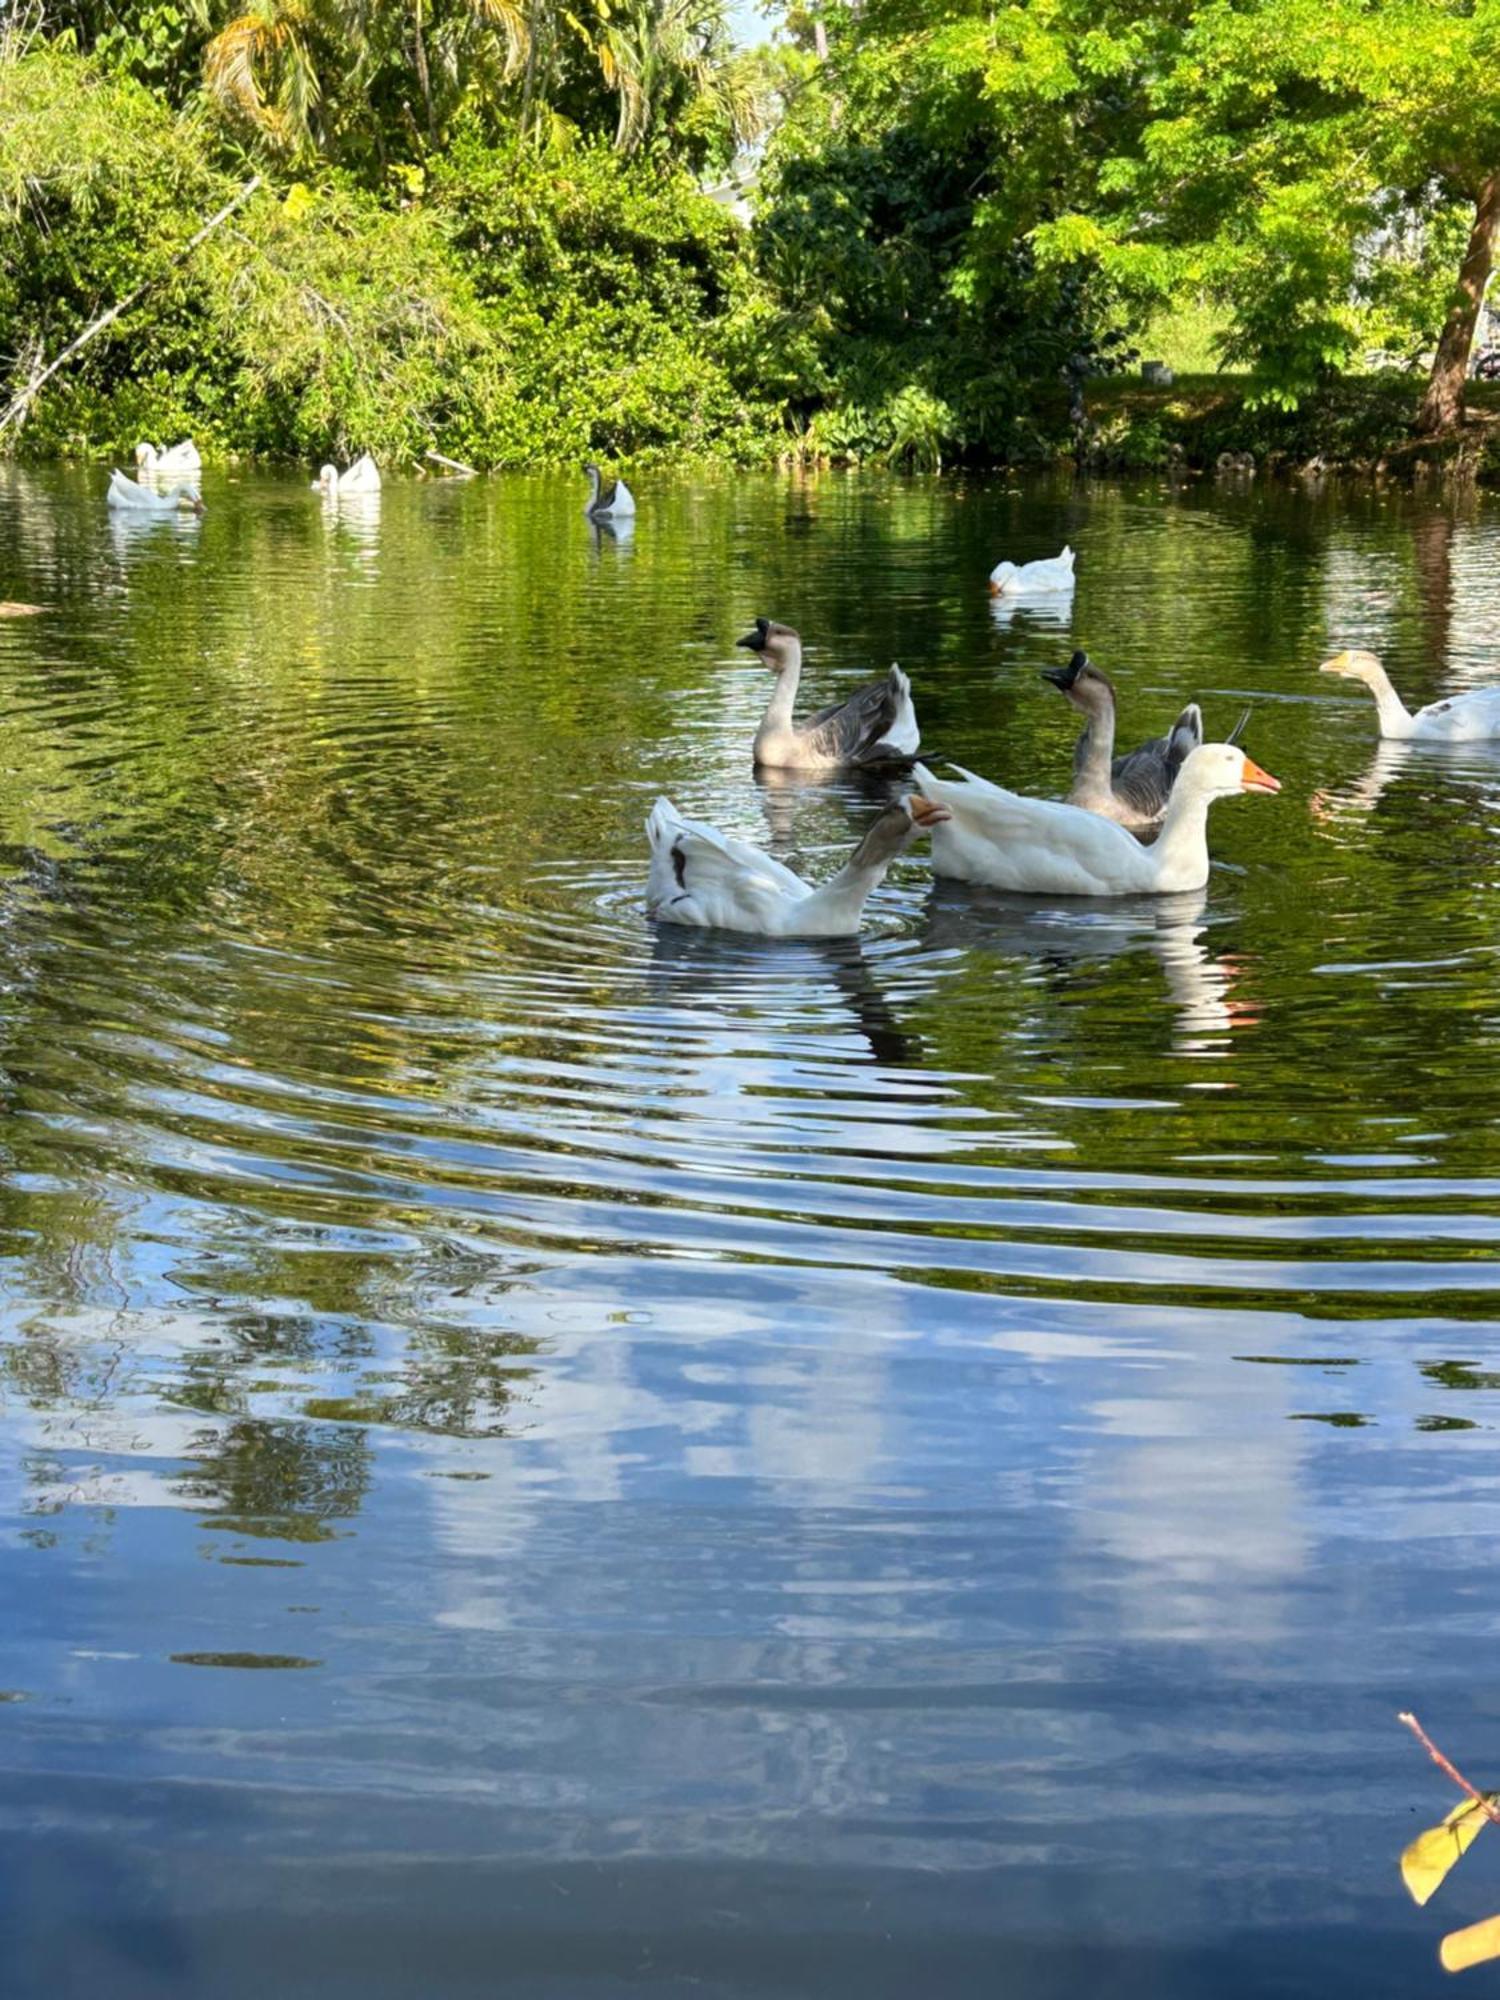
x,y
362,477
611,501
125,492
1462,718
171,463
701,876
878,725
1039,847
1050,573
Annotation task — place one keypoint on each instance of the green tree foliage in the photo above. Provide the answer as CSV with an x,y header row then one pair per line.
x,y
1316,166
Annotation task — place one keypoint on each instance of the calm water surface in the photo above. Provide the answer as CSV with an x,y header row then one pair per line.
x,y
537,1457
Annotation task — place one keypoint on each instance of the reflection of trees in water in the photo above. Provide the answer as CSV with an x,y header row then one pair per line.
x,y
286,1480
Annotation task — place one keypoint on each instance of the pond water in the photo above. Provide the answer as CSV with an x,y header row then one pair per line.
x,y
544,1458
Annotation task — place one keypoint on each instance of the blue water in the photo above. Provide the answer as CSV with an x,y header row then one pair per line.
x,y
543,1458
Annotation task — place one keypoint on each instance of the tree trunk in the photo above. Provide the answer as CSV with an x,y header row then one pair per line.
x,y
424,79
1443,404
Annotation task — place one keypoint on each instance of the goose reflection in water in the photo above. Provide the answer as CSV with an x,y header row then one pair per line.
x,y
618,534
1200,984
1471,763
353,520
786,795
1053,613
132,531
702,969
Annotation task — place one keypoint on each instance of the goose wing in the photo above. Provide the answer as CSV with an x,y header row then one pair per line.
x,y
878,725
1144,778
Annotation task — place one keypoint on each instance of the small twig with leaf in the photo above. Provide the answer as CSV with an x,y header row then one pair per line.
x,y
1427,1860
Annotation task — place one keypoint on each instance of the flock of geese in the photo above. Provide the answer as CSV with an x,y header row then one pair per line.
x,y
1131,825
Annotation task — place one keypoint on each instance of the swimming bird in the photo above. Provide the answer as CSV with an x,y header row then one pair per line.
x,y
1008,579
1463,718
125,492
168,464
701,876
1132,789
362,477
607,502
1041,847
876,726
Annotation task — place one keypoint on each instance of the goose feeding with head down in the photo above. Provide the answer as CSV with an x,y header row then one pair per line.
x,y
877,726
609,500
362,477
701,876
1040,578
1469,717
1135,787
1040,847
172,463
125,492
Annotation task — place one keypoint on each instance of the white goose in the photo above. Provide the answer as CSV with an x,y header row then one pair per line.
x,y
1040,847
612,501
172,463
1049,574
125,492
1462,718
701,876
362,477
876,726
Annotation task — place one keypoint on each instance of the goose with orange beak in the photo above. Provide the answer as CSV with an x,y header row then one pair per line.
x,y
703,877
1041,847
1470,717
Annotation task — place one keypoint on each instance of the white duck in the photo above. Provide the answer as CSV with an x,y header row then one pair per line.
x,y
1040,847
876,726
607,501
125,492
1051,573
1463,718
362,477
700,876
172,463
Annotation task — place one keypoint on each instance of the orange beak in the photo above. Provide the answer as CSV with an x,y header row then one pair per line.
x,y
1257,780
926,812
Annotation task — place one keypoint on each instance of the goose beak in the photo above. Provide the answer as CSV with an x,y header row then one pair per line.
x,y
755,642
1060,678
1339,664
926,812
1257,780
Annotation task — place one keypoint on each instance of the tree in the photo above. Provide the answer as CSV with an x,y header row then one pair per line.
x,y
1314,164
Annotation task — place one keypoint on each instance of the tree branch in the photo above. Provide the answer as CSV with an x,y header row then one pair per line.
x,y
15,410
1486,1806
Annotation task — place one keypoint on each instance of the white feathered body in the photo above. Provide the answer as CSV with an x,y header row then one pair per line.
x,y
703,877
124,492
175,462
1041,578
1471,717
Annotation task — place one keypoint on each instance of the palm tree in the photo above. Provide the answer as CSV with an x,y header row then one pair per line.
x,y
661,57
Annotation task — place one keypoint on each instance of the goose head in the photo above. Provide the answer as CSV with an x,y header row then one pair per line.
x,y
327,480
145,457
896,828
189,497
1220,771
1001,575
778,645
1081,681
1354,666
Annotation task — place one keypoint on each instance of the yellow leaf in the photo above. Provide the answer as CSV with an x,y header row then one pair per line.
x,y
299,199
1433,1853
1472,1946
